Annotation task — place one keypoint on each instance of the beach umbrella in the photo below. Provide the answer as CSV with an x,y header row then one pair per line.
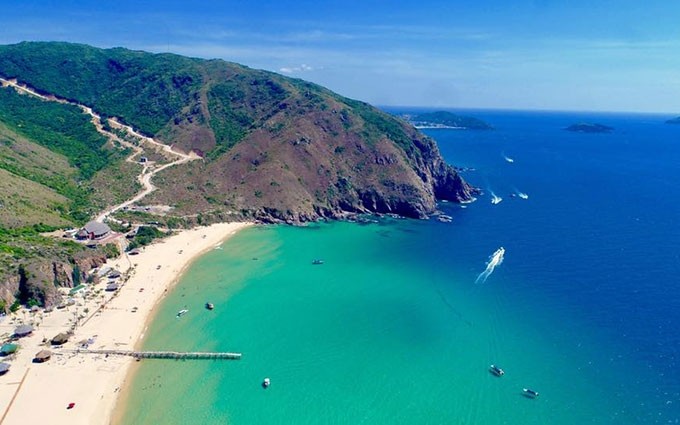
x,y
42,356
60,339
23,330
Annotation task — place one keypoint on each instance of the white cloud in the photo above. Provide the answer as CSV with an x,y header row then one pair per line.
x,y
294,69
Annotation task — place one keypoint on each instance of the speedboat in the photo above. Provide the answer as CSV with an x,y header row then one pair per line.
x,y
496,370
266,383
182,312
523,195
495,199
209,306
529,393
317,262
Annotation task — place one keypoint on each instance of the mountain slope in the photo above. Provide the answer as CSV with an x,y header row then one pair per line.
x,y
274,148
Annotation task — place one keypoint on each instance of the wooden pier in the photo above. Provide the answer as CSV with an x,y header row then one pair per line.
x,y
175,355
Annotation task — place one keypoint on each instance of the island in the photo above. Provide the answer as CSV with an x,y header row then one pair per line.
x,y
444,119
675,120
589,128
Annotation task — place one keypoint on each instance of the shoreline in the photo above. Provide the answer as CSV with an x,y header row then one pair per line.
x,y
94,381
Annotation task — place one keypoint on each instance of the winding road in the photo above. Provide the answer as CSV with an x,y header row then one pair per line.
x,y
144,177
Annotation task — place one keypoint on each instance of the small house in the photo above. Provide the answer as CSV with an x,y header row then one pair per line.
x,y
42,356
60,339
23,330
93,230
8,349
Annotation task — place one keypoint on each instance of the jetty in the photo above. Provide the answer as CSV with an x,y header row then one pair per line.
x,y
175,355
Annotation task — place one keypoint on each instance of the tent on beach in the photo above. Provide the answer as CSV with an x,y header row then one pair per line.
x,y
42,356
23,330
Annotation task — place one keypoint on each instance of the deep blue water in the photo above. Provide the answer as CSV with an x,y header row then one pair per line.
x,y
597,241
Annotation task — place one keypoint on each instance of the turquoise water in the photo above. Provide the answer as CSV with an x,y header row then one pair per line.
x,y
392,327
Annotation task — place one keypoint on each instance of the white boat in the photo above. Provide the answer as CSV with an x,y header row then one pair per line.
x,y
495,199
523,195
182,312
266,383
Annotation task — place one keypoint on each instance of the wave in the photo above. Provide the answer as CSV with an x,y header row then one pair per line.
x,y
495,260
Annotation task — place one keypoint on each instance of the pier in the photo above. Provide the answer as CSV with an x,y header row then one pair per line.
x,y
175,355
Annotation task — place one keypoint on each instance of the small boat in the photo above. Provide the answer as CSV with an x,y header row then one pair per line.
x,y
496,370
523,195
495,199
266,383
444,218
182,312
529,393
209,306
317,262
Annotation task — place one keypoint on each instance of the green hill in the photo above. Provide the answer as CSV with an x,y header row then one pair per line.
x,y
275,148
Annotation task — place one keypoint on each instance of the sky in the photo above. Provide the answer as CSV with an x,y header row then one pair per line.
x,y
522,54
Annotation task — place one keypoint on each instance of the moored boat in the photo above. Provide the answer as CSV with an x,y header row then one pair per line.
x,y
496,370
182,312
317,262
209,306
529,393
266,382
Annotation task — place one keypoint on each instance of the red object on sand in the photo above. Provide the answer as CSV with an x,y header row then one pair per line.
x,y
71,406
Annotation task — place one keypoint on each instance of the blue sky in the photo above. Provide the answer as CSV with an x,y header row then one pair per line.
x,y
540,54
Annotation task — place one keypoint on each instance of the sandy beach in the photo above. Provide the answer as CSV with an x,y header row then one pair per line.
x,y
32,393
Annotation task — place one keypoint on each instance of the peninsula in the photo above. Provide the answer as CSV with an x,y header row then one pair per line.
x,y
444,119
104,151
85,131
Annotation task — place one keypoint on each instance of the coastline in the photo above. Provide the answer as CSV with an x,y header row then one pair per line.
x,y
94,381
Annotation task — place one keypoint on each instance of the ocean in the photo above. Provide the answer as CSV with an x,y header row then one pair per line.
x,y
397,327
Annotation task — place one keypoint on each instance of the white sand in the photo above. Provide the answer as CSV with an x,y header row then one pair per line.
x,y
32,393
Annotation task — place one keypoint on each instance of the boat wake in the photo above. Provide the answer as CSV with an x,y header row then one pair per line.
x,y
522,195
495,260
495,199
507,158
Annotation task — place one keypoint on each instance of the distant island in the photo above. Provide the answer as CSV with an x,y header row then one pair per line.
x,y
674,121
589,128
443,119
